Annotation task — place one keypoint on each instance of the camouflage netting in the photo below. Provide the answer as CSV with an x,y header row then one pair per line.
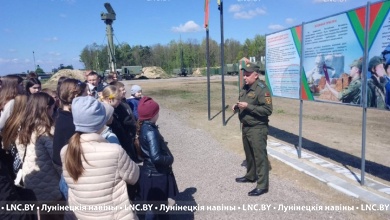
x,y
77,74
153,72
197,72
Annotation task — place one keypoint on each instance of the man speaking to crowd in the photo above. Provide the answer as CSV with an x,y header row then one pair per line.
x,y
254,107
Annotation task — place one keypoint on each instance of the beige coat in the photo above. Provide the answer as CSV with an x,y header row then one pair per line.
x,y
39,173
103,183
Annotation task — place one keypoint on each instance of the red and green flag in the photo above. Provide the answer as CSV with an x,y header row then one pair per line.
x,y
206,14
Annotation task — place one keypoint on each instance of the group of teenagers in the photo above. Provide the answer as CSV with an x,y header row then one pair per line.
x,y
84,146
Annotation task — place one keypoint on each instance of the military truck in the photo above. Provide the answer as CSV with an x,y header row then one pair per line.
x,y
180,71
129,72
232,69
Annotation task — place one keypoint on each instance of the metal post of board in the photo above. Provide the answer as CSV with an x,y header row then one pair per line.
x,y
208,74
364,96
220,7
300,96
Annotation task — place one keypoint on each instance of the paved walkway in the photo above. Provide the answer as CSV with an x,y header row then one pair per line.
x,y
340,178
205,172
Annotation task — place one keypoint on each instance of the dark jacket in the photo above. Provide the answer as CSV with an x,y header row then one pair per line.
x,y
10,194
124,137
63,131
157,157
125,116
7,187
133,103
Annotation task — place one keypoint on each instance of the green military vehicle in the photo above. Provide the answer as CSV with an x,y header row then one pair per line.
x,y
232,69
129,72
180,71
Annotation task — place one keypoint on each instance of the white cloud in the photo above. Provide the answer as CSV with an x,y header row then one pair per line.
x,y
189,26
6,30
75,59
2,60
275,27
13,60
235,8
239,12
62,15
55,54
51,39
12,50
69,1
290,20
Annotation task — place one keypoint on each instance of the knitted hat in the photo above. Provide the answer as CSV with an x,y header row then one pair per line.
x,y
89,115
135,89
147,108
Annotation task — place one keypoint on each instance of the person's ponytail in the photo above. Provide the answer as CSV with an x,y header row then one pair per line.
x,y
73,162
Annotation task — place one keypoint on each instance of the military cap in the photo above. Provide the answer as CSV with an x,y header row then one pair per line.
x,y
374,61
357,63
250,67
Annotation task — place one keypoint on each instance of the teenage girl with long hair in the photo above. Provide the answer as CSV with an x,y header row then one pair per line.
x,y
12,125
95,170
64,127
12,85
157,182
33,85
113,96
9,135
11,129
35,145
68,89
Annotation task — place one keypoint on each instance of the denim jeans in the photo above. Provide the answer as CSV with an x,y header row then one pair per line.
x,y
63,187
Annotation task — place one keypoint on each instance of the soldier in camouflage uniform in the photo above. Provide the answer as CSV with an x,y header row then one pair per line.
x,y
353,93
376,84
254,106
386,58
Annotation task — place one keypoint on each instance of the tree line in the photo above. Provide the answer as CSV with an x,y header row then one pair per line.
x,y
168,57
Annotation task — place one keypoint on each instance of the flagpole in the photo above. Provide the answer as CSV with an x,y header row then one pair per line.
x,y
208,73
220,7
206,25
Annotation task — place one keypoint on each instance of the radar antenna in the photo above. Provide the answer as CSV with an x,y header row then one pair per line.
x,y
108,20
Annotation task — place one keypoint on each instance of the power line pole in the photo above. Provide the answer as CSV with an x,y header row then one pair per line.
x,y
35,66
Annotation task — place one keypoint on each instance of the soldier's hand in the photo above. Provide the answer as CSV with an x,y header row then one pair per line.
x,y
242,105
235,107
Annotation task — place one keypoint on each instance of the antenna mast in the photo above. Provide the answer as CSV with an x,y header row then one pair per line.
x,y
35,66
108,20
